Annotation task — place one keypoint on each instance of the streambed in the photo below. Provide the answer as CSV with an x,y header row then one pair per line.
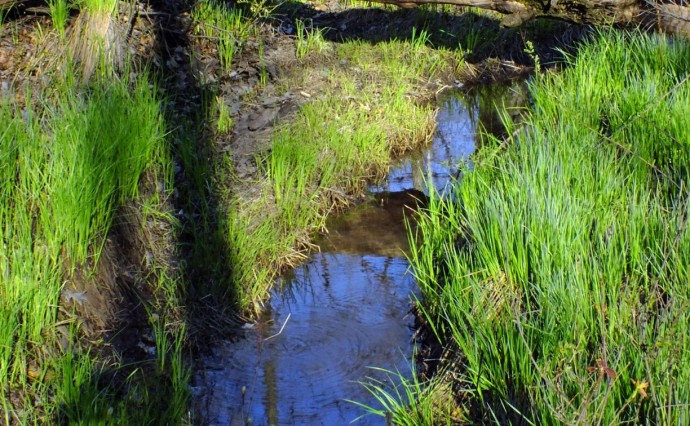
x,y
347,309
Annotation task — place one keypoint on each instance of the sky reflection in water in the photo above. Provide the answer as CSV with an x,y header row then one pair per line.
x,y
347,308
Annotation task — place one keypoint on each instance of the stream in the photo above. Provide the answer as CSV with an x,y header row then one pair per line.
x,y
347,309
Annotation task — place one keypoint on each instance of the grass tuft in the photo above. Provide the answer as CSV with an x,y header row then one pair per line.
x,y
226,26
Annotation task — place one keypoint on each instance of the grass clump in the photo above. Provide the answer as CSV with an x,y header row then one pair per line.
x,y
59,14
557,274
335,145
228,27
308,39
412,402
66,166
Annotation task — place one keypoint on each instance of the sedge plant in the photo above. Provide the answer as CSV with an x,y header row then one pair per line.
x,y
558,269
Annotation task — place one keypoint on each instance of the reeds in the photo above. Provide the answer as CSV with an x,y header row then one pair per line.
x,y
557,273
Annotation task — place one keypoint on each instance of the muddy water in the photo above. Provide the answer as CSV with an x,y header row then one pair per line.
x,y
346,309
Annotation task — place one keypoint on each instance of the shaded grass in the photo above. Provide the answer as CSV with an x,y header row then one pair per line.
x,y
557,273
333,147
65,167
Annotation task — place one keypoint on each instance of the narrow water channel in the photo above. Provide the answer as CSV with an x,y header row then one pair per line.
x,y
346,310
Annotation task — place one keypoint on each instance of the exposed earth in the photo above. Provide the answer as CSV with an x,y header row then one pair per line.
x,y
260,92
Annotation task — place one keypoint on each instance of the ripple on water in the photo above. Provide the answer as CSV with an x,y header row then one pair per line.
x,y
343,313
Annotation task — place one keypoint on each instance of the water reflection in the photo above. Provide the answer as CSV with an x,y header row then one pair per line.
x,y
346,309
376,227
458,124
339,314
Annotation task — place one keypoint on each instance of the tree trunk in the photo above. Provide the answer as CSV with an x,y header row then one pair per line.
x,y
667,16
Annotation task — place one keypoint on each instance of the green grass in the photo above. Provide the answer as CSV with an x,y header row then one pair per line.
x,y
335,145
557,273
228,27
66,165
100,6
411,402
309,39
59,14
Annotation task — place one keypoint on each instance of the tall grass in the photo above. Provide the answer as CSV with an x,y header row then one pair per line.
x,y
65,167
557,275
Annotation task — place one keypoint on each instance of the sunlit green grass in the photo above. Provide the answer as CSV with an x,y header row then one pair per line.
x,y
308,39
335,145
59,14
557,273
228,27
66,165
410,401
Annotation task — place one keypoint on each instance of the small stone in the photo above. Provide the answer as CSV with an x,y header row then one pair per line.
x,y
270,101
258,121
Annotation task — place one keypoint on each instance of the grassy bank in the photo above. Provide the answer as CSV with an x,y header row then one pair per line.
x,y
557,273
345,137
94,264
67,165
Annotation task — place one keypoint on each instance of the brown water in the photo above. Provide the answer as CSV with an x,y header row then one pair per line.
x,y
348,308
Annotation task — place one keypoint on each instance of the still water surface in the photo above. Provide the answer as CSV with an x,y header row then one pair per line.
x,y
348,308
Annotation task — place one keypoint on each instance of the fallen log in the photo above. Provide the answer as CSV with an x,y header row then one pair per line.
x,y
8,4
670,17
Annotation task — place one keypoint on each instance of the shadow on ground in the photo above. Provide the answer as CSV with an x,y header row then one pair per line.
x,y
480,36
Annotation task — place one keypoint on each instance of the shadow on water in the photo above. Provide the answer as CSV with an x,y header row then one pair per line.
x,y
348,308
336,315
